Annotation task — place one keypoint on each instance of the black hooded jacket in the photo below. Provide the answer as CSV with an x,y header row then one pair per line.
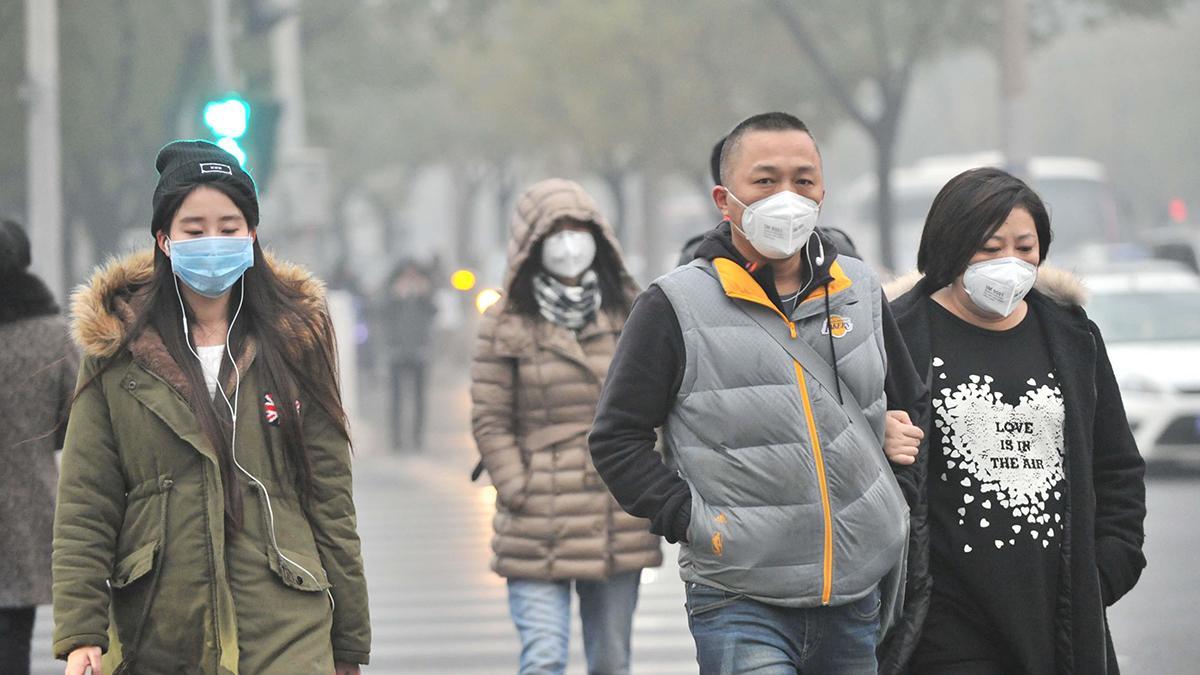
x,y
646,373
1106,495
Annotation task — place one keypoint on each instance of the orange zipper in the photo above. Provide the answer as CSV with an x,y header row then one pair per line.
x,y
827,564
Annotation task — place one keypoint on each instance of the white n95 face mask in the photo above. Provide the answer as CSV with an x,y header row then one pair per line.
x,y
999,285
779,225
568,253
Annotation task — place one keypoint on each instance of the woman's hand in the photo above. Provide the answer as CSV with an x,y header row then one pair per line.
x,y
901,440
81,658
346,669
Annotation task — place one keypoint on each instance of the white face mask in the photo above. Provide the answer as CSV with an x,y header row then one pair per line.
x,y
568,253
999,285
779,225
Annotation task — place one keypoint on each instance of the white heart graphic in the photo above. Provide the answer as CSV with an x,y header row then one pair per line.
x,y
1013,451
983,522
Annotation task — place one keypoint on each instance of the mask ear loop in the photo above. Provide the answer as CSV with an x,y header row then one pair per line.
x,y
745,208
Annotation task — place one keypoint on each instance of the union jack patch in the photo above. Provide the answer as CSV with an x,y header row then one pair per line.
x,y
271,412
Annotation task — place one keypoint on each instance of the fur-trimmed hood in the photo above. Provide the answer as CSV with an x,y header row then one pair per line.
x,y
540,207
1057,284
103,309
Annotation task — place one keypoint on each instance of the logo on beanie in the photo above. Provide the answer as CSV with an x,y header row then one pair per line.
x,y
215,167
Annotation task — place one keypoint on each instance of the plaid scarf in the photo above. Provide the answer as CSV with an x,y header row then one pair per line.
x,y
571,307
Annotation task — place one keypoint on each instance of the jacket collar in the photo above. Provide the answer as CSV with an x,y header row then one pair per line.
x,y
1056,284
753,282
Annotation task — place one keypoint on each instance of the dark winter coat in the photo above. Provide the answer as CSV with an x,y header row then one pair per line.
x,y
140,532
38,365
1106,506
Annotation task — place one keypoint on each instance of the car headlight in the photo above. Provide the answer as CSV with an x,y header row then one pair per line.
x,y
1140,384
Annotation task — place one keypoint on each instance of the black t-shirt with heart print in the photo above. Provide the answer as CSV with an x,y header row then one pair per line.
x,y
995,495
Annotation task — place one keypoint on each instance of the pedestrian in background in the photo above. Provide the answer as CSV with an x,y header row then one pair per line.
x,y
1030,501
205,500
38,365
406,318
541,358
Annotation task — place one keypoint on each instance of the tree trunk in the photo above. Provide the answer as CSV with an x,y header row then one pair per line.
x,y
615,180
467,182
885,141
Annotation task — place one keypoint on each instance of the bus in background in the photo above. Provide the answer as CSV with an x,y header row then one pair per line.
x,y
1083,209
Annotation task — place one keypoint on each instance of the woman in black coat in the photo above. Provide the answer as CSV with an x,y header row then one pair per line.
x,y
38,365
1027,490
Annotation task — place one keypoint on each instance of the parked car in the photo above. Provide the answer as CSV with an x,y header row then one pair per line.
x,y
1180,243
1149,315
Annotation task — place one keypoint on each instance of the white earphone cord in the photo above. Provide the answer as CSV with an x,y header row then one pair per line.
x,y
232,405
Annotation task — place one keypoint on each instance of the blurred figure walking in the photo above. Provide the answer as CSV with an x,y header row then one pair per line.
x,y
38,365
406,317
541,358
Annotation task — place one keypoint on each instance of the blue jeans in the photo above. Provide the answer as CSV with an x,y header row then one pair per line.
x,y
737,636
542,612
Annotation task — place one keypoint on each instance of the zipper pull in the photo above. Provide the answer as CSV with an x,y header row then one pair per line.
x,y
792,328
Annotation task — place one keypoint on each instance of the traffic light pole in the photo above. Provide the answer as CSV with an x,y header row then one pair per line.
x,y
44,143
288,78
220,45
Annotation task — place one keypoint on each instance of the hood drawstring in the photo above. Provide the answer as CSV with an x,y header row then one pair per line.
x,y
832,350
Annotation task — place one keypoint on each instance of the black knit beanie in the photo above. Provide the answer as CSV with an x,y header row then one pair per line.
x,y
184,164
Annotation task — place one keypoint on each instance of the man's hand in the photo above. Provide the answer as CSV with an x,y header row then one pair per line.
x,y
346,669
81,658
901,439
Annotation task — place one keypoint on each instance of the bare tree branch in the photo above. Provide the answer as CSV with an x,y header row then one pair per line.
x,y
805,41
923,30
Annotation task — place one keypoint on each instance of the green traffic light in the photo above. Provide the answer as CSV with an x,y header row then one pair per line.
x,y
227,118
231,146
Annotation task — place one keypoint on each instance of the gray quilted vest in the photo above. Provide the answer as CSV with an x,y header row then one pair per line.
x,y
792,504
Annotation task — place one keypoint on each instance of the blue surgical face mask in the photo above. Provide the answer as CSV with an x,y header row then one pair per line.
x,y
211,265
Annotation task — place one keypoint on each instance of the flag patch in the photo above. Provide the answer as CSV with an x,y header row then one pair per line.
x,y
271,412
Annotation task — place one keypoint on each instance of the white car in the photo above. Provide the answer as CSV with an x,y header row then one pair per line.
x,y
1150,321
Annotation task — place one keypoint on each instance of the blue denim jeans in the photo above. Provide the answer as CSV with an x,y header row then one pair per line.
x,y
542,612
738,636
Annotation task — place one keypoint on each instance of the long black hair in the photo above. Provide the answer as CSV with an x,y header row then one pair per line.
x,y
274,313
614,297
966,213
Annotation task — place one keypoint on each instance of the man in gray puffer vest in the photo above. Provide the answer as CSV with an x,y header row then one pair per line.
x,y
765,363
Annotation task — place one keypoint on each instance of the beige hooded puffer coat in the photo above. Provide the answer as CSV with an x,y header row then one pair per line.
x,y
534,390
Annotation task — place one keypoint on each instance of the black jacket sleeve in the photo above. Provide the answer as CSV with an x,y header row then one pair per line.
x,y
1119,479
643,380
904,387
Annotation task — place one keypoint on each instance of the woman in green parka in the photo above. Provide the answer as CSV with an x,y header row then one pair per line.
x,y
205,504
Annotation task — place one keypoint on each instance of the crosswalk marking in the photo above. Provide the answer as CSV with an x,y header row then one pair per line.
x,y
436,607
